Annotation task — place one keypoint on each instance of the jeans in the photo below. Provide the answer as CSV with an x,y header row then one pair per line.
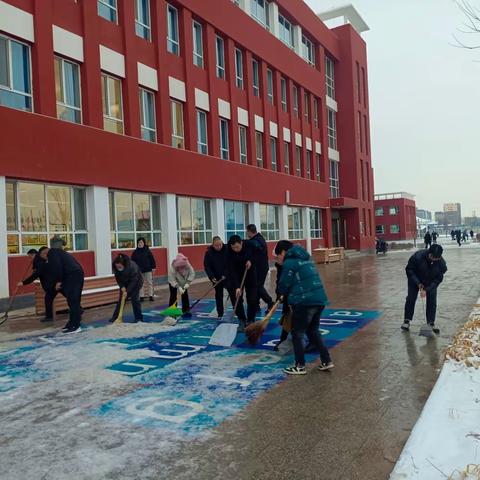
x,y
173,298
412,299
251,294
219,299
72,286
136,306
306,321
147,287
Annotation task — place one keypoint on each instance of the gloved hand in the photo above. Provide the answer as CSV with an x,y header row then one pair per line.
x,y
181,290
186,287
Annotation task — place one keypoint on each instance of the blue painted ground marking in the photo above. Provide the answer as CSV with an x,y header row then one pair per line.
x,y
184,385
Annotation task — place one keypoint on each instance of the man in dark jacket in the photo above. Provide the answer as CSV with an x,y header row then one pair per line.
x,y
240,259
215,264
145,260
434,236
39,271
427,239
458,236
306,295
425,271
261,263
130,280
66,274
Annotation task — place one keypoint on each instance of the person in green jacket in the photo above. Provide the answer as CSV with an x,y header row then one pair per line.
x,y
306,295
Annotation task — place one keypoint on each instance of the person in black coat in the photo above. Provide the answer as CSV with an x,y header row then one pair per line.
x,y
261,263
425,271
145,260
427,239
240,257
130,280
66,274
39,271
458,236
215,264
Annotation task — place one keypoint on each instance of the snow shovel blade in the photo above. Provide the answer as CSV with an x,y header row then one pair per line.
x,y
224,335
285,347
426,332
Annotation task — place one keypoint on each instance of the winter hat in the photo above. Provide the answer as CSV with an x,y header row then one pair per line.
x,y
180,262
435,251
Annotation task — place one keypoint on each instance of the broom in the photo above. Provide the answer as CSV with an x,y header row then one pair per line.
x,y
255,330
119,318
194,304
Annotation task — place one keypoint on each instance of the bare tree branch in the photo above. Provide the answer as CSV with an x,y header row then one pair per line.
x,y
471,24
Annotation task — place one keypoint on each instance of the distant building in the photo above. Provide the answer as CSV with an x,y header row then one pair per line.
x,y
395,216
472,221
452,214
440,218
424,214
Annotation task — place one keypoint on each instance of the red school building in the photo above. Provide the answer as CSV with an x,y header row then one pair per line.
x,y
177,121
395,216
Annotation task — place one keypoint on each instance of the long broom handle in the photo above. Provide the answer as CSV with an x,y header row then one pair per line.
x,y
15,292
119,318
215,284
242,285
269,315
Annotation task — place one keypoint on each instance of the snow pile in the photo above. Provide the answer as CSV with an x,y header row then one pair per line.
x,y
466,344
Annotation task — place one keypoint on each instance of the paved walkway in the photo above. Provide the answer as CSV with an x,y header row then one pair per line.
x,y
349,424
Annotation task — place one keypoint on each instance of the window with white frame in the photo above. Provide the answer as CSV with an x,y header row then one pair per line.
x,y
194,221
269,223
242,134
15,74
379,229
67,90
134,215
112,104
298,161
332,128
318,174
270,85
147,114
273,153
36,212
107,9
202,136
295,100
224,139
394,210
283,88
308,50
173,44
259,148
286,156
259,11
379,212
285,31
238,68
309,164
236,218
315,112
394,228
178,132
256,78
334,180
220,56
143,26
295,223
306,108
197,44
330,76
316,230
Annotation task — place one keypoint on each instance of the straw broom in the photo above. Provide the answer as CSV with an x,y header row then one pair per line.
x,y
255,330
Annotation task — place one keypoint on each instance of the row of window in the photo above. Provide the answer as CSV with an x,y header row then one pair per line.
x,y
380,211
380,229
37,212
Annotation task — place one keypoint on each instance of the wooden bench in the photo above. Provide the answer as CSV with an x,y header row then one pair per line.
x,y
97,291
328,255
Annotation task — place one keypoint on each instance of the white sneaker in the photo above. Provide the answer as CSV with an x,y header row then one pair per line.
x,y
295,370
68,331
323,367
405,326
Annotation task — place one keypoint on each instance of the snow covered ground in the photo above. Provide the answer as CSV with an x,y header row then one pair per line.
x,y
445,442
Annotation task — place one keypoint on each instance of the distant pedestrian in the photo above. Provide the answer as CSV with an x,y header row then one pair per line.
x,y
434,236
472,233
458,236
452,233
425,271
130,280
145,260
427,239
464,236
215,264
180,276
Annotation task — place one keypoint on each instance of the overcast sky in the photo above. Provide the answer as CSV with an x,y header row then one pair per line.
x,y
424,101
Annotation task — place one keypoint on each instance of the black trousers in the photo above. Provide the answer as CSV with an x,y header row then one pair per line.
x,y
72,286
136,305
251,293
49,298
173,298
306,321
219,299
261,291
412,299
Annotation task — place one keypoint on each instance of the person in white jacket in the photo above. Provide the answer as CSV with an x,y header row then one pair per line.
x,y
180,276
